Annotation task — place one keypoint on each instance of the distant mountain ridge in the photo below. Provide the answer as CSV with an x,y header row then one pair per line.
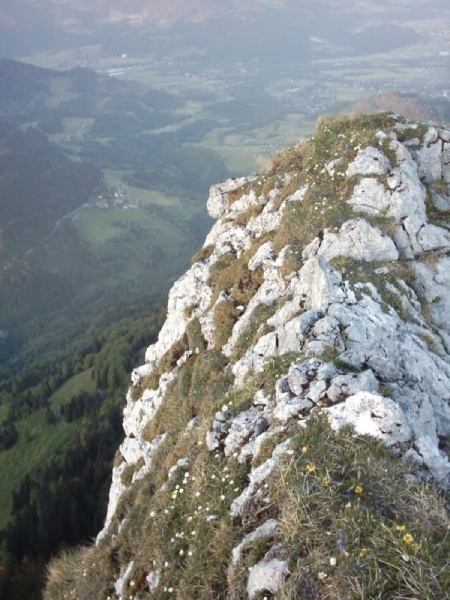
x,y
76,17
72,17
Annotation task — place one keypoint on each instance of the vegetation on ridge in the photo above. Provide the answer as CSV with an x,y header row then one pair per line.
x,y
354,521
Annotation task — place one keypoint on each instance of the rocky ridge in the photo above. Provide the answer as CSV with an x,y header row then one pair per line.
x,y
322,289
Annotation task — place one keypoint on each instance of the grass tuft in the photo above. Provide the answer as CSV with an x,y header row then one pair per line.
x,y
354,524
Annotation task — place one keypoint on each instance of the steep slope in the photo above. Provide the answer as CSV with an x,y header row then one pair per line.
x,y
317,303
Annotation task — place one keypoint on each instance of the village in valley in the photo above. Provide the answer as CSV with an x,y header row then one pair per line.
x,y
117,196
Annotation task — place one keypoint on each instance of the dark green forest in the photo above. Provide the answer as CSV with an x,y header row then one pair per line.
x,y
63,500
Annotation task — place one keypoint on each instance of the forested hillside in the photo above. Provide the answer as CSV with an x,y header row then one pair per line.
x,y
99,211
60,426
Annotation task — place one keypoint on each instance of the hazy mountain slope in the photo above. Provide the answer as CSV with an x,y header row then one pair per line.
x,y
66,139
79,16
389,101
73,16
319,299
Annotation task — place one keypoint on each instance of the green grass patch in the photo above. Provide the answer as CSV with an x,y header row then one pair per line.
x,y
71,387
353,525
38,443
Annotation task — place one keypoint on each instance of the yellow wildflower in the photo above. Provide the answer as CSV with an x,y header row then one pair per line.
x,y
400,527
408,538
326,480
363,552
358,489
310,468
304,449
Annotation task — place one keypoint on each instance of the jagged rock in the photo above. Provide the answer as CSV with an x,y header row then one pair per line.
x,y
370,196
218,197
257,444
318,284
190,292
134,449
138,414
245,427
117,486
123,580
299,376
435,460
257,477
266,576
153,579
316,391
371,414
428,157
263,532
265,253
356,239
299,194
433,282
288,407
441,202
265,222
343,386
368,161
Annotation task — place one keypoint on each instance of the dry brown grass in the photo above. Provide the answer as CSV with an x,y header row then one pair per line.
x,y
225,316
81,574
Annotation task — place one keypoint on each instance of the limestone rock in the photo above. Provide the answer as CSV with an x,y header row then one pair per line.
x,y
263,532
368,161
343,386
266,576
356,239
441,202
246,426
218,197
371,414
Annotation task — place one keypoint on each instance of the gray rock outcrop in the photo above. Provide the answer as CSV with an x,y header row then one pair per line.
x,y
355,316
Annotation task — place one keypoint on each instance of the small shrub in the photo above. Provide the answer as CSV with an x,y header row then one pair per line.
x,y
233,276
169,360
81,573
225,316
290,159
430,342
195,337
242,219
431,259
409,133
203,254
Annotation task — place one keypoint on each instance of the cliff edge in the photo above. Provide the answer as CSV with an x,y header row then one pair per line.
x,y
288,436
